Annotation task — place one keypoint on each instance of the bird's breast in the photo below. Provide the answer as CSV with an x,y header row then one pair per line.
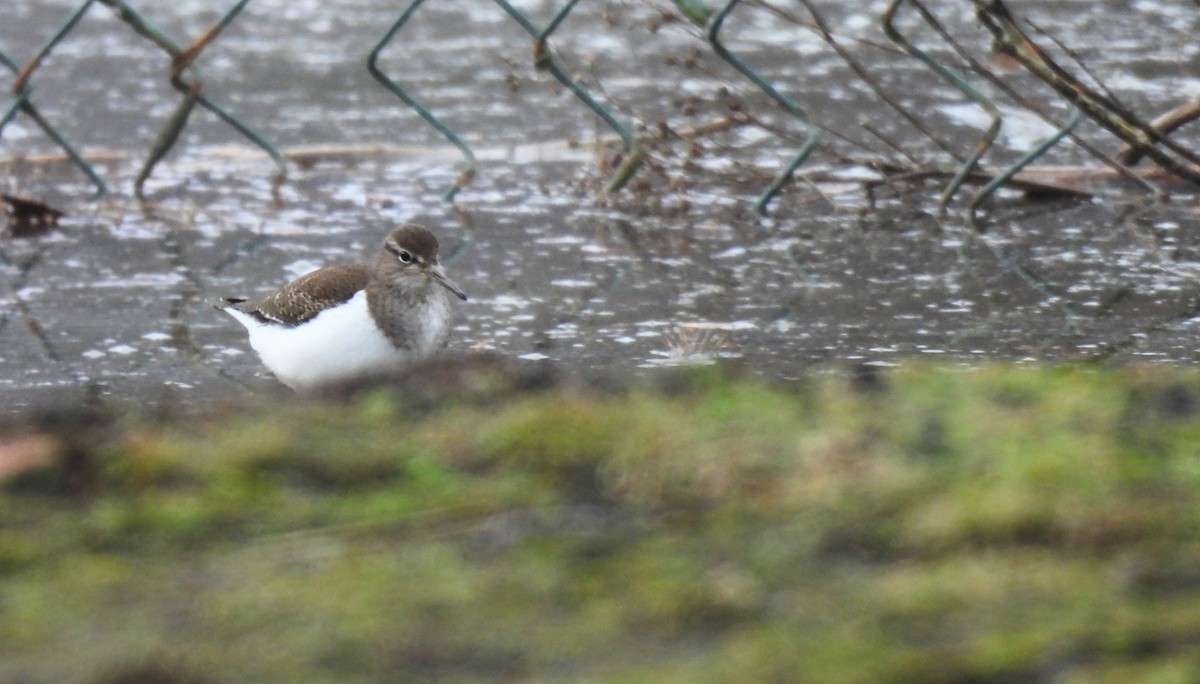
x,y
414,317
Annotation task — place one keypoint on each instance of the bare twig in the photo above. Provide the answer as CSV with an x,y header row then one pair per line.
x,y
1041,113
1165,124
1111,115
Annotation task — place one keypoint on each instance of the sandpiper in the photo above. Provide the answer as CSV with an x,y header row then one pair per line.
x,y
344,322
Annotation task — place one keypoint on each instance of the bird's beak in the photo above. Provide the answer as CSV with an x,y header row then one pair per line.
x,y
435,271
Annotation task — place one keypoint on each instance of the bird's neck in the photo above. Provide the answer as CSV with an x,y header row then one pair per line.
x,y
403,307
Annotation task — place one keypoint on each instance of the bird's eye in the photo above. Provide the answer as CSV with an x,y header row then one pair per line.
x,y
405,256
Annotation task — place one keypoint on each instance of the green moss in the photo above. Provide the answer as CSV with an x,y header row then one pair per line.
x,y
1001,523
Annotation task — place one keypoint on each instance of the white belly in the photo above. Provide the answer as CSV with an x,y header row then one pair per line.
x,y
338,343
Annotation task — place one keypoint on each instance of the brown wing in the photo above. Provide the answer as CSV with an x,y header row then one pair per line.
x,y
310,294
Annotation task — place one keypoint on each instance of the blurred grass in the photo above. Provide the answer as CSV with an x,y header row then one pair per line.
x,y
998,524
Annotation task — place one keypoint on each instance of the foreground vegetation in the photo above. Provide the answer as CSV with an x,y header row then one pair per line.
x,y
1000,524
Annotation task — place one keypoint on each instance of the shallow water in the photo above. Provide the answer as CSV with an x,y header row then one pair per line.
x,y
674,269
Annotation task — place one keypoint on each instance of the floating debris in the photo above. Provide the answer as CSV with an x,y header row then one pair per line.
x,y
29,218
